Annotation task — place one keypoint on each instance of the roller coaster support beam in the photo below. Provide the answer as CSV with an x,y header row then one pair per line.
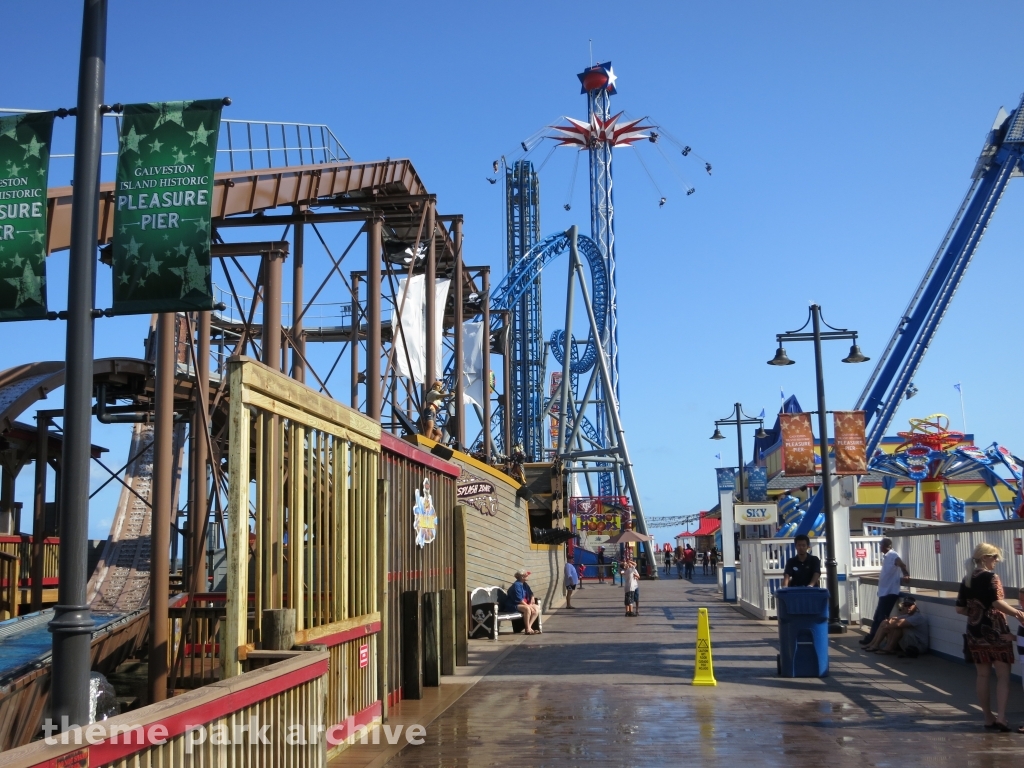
x,y
486,282
612,401
163,461
563,408
298,302
72,623
430,294
200,457
374,237
460,386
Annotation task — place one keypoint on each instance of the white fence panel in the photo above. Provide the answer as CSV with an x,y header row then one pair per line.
x,y
941,553
762,562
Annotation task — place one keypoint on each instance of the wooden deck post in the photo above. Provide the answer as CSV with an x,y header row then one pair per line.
x,y
431,640
383,638
461,588
237,529
447,635
412,673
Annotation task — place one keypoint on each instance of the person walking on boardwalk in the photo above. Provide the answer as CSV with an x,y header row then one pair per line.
x,y
680,563
705,560
668,561
600,565
889,580
572,580
988,641
689,556
631,585
714,560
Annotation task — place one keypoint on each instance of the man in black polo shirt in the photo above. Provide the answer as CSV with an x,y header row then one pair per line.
x,y
802,570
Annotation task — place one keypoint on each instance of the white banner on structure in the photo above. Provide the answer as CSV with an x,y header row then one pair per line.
x,y
410,342
473,363
440,299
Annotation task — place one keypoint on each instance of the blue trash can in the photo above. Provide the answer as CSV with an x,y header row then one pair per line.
x,y
803,631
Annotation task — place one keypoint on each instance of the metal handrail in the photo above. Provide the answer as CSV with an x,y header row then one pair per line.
x,y
314,143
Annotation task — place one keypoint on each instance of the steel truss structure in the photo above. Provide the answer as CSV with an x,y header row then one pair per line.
x,y
526,354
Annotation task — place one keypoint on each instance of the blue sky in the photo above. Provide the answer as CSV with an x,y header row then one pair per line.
x,y
842,137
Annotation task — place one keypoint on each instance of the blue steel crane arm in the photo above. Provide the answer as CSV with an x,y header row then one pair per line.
x,y
894,374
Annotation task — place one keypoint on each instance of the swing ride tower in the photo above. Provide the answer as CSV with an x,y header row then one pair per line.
x,y
599,135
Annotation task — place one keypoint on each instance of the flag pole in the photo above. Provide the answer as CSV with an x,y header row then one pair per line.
x,y
963,414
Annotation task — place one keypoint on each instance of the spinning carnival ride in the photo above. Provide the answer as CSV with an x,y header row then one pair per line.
x,y
932,454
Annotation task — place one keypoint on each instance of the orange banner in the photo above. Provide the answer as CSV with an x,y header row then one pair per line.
x,y
850,444
798,443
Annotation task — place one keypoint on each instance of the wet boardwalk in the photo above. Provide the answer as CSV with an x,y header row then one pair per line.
x,y
598,689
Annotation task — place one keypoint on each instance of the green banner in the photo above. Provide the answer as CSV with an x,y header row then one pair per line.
x,y
24,163
164,190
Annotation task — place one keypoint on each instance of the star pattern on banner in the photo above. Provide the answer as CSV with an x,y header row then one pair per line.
x,y
13,168
9,126
171,112
29,285
37,236
201,224
200,135
193,275
153,266
181,248
155,145
130,140
17,261
179,156
133,248
32,148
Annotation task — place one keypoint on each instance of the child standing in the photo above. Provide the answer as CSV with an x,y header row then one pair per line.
x,y
631,585
582,569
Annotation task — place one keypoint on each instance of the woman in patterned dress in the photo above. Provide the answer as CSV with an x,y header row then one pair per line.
x,y
988,641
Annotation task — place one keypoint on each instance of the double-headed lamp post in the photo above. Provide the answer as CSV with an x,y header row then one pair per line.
x,y
816,335
739,418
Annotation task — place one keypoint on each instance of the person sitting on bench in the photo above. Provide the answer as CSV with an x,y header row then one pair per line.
x,y
520,598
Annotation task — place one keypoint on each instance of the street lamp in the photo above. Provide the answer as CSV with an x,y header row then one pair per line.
x,y
739,419
816,335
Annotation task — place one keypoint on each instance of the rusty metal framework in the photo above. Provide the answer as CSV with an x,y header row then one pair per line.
x,y
268,312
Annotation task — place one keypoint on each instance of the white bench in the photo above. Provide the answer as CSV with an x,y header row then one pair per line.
x,y
485,603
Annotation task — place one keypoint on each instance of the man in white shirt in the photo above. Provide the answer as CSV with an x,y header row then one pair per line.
x,y
572,580
889,580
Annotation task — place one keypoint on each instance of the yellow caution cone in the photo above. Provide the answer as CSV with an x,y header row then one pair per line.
x,y
703,671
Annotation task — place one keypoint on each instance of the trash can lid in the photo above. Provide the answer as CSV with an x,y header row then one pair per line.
x,y
802,601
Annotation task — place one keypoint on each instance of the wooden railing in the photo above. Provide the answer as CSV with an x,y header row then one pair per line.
x,y
21,547
273,704
10,568
318,546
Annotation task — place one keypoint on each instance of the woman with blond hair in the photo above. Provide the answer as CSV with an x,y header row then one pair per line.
x,y
988,641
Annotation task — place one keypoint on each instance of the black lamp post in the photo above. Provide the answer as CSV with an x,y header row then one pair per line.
x,y
739,419
816,335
